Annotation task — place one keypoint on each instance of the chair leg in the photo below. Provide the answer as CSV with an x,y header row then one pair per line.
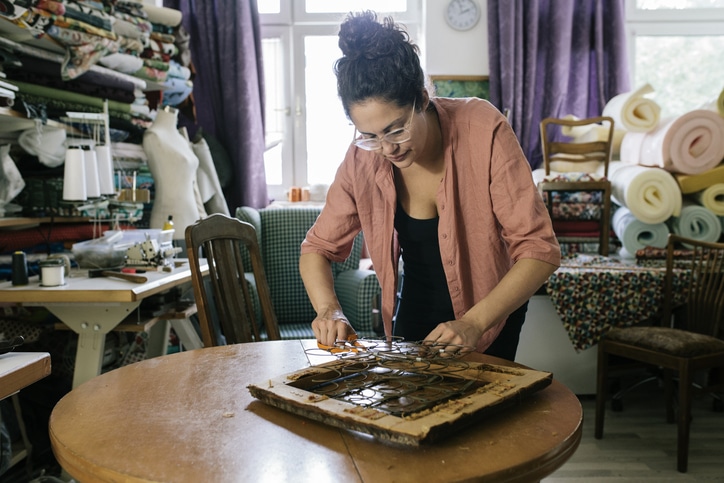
x,y
684,416
601,391
669,395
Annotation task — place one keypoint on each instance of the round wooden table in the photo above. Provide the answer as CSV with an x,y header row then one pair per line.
x,y
190,417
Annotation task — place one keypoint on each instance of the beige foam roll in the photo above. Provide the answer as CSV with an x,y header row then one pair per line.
x,y
574,167
651,194
591,133
712,198
575,131
633,111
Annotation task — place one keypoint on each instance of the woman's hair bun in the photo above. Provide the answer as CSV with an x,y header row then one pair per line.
x,y
361,35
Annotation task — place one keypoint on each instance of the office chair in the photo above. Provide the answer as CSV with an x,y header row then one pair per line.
x,y
691,343
219,239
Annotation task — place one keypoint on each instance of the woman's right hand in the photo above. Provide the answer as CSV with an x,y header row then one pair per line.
x,y
330,326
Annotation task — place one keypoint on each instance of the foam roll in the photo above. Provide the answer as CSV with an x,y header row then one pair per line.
x,y
651,194
692,143
696,222
74,188
692,183
105,169
712,198
634,234
633,111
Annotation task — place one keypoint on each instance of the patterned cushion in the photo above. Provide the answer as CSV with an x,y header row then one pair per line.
x,y
573,176
676,342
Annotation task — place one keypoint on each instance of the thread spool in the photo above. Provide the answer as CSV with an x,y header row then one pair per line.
x,y
92,180
295,194
65,259
105,169
74,175
52,272
19,269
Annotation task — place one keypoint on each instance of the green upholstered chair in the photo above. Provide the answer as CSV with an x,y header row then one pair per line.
x,y
281,231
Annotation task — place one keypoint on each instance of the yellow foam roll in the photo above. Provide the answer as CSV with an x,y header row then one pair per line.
x,y
651,194
633,111
698,182
712,198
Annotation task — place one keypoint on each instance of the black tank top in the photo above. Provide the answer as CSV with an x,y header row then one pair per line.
x,y
424,298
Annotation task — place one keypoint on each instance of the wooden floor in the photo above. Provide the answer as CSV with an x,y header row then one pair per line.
x,y
639,446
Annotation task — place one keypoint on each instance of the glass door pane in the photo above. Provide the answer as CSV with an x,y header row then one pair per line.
x,y
329,132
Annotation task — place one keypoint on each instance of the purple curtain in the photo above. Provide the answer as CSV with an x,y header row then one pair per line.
x,y
225,44
551,58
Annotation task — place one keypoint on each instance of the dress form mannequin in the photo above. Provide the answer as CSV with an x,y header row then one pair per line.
x,y
208,180
173,165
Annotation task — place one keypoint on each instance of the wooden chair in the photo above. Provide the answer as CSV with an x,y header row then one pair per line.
x,y
693,343
218,238
581,158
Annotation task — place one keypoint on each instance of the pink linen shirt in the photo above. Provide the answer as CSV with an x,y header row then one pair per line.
x,y
490,212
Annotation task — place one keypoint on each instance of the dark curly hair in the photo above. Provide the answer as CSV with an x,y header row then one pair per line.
x,y
379,61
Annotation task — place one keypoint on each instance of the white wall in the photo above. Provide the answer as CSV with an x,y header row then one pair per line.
x,y
545,346
449,52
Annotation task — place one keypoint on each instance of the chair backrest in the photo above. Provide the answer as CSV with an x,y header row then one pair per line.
x,y
218,239
280,232
703,265
581,149
593,147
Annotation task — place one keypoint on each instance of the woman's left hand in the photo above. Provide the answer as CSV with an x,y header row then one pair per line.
x,y
456,336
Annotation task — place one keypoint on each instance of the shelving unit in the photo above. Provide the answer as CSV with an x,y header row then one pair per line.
x,y
13,121
29,222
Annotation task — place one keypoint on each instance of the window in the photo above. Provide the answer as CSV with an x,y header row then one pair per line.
x,y
677,46
307,132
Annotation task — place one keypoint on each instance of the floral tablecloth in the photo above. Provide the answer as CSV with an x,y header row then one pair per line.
x,y
593,294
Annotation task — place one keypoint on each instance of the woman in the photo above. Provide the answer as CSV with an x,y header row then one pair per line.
x,y
442,183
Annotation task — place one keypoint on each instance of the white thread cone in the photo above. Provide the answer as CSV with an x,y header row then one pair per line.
x,y
74,185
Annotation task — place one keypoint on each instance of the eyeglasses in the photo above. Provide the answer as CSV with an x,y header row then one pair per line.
x,y
397,136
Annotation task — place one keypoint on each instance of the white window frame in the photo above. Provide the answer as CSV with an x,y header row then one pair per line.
x,y
667,22
292,24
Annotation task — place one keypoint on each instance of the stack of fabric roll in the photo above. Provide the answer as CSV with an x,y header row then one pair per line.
x,y
670,177
78,56
117,52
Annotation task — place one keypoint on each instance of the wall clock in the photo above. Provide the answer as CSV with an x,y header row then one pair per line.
x,y
462,14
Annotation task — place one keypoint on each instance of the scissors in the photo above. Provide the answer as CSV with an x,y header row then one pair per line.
x,y
342,346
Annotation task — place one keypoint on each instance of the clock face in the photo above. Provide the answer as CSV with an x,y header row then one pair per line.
x,y
462,14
